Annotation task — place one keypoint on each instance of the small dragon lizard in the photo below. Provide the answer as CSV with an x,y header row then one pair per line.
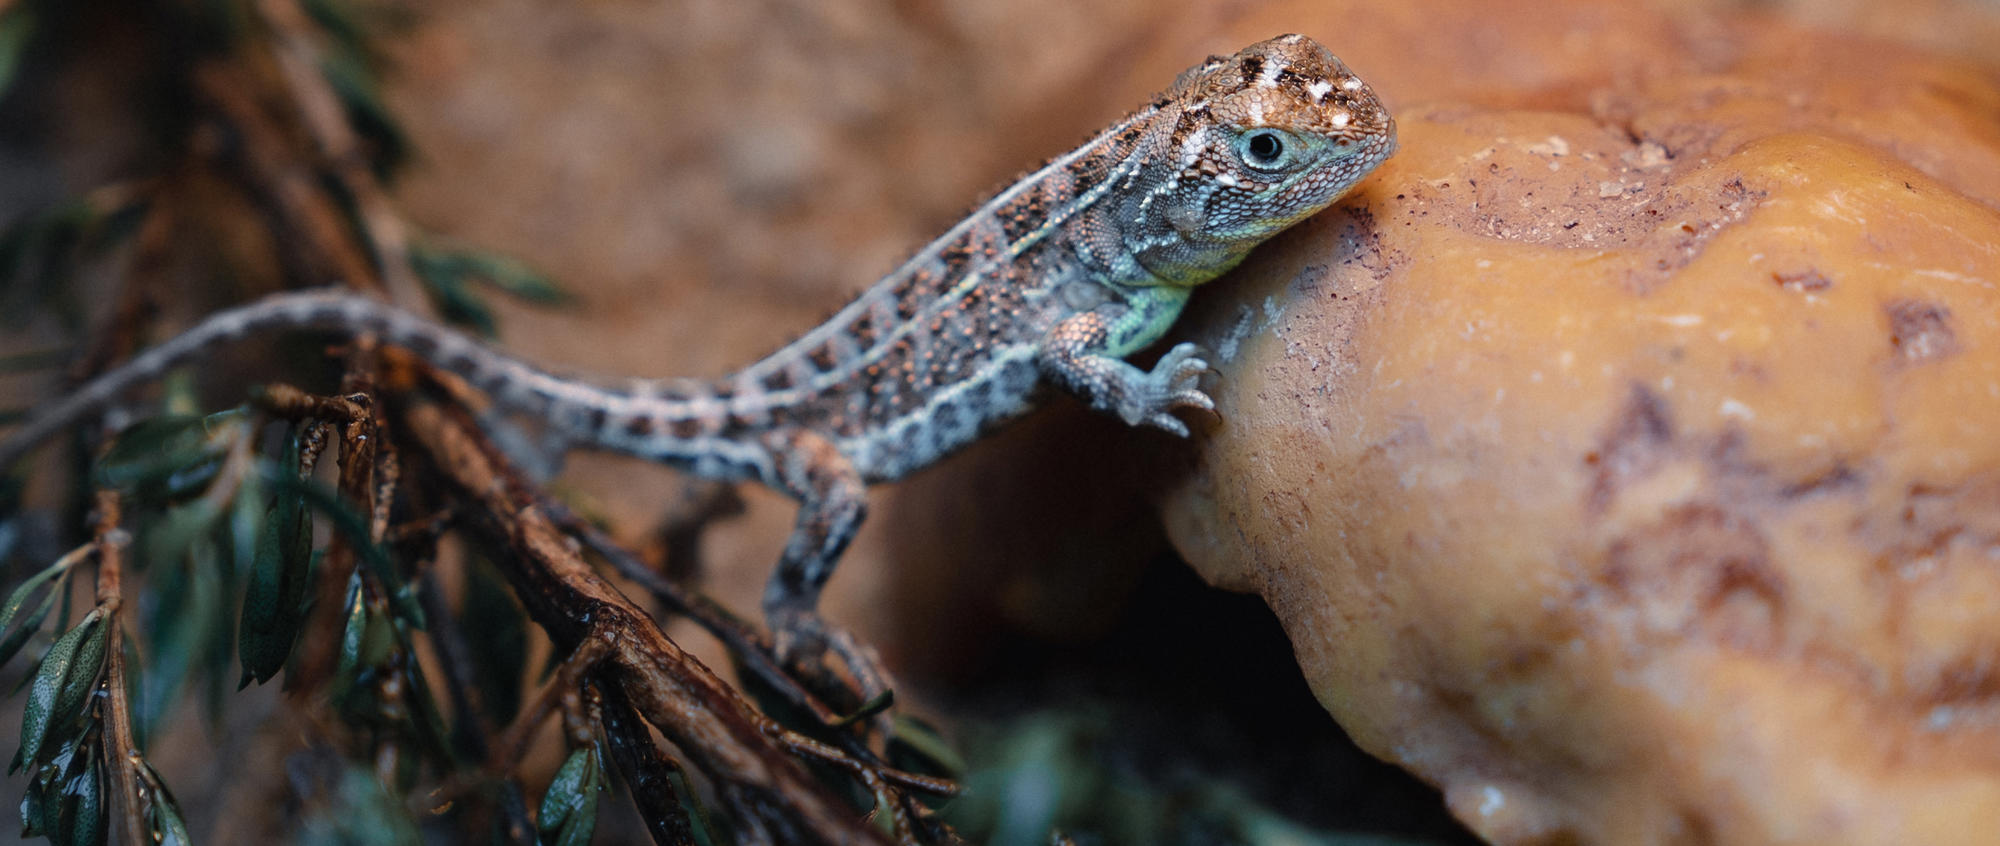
x,y
1051,282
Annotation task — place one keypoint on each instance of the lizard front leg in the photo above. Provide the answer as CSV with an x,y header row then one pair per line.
x,y
832,503
1082,354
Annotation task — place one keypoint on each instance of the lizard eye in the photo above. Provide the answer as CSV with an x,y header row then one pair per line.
x,y
1265,149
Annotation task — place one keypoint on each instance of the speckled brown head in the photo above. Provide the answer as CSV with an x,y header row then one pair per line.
x,y
1262,139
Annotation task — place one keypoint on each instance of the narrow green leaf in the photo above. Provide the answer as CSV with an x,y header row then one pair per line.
x,y
163,812
500,652
350,523
355,633
34,810
339,22
514,277
705,829
17,25
168,457
569,807
450,273
444,279
84,795
58,572
20,595
360,95
33,622
917,745
188,620
273,599
51,680
81,679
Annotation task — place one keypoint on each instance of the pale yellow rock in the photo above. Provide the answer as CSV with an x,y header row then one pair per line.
x,y
1633,473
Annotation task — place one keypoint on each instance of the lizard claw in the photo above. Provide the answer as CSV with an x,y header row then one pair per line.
x,y
1174,383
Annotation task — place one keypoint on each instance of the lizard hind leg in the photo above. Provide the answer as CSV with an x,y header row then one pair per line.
x,y
832,503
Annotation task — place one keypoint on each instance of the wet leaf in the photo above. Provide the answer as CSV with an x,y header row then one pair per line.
x,y
84,798
64,797
349,523
81,679
569,807
355,633
274,599
53,679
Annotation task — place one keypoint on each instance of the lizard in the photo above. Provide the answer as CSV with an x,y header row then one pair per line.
x,y
1049,284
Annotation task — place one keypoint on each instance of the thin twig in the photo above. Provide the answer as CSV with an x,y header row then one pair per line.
x,y
569,678
320,642
762,784
121,751
293,404
648,774
862,769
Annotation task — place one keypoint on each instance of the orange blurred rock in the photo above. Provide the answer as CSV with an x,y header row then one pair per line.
x,y
1630,468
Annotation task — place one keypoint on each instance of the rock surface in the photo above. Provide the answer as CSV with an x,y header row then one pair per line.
x,y
1625,457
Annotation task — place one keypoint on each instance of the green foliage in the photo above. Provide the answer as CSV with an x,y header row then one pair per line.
x,y
499,655
64,801
1054,771
163,812
55,578
17,26
374,645
569,807
360,93
60,740
170,457
345,520
67,674
918,747
450,274
274,599
364,812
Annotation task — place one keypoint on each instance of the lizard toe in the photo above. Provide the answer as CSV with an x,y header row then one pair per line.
x,y
1169,423
1193,398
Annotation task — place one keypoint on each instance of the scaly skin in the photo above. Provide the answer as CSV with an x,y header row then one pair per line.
x,y
1052,282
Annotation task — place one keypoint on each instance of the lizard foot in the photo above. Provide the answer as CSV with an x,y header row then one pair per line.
x,y
1174,383
803,640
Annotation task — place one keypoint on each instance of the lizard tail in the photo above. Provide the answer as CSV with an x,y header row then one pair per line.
x,y
576,408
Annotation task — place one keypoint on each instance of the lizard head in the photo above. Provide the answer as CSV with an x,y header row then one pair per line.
x,y
1261,140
